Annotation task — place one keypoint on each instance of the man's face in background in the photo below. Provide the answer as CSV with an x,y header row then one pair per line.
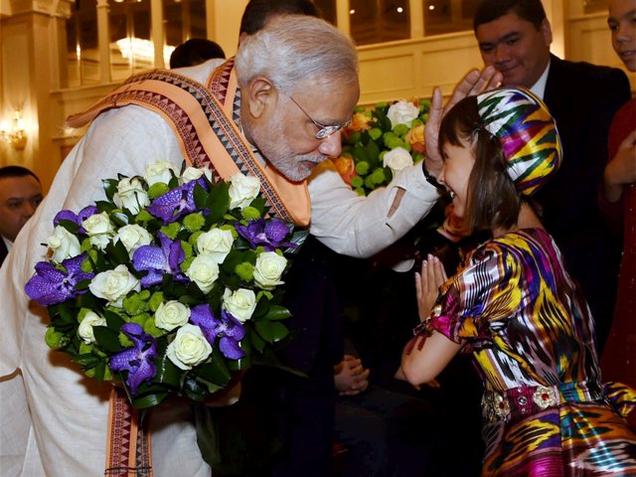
x,y
19,197
516,48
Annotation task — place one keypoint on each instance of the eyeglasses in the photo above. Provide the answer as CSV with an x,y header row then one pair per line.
x,y
324,130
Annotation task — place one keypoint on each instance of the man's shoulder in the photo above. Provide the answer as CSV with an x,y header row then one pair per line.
x,y
584,72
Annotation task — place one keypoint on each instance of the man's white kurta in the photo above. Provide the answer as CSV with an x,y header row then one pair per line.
x,y
53,420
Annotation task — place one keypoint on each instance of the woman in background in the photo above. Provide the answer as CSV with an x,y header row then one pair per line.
x,y
619,200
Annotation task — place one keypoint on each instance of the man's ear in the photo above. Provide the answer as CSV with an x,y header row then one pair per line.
x,y
546,31
261,94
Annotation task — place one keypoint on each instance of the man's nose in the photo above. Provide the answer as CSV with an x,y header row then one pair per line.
x,y
331,146
622,33
502,55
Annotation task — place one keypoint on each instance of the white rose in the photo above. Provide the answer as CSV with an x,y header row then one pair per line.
x,y
158,172
397,159
203,271
63,244
268,270
99,229
133,236
240,304
193,173
402,112
171,314
130,195
113,285
217,243
243,190
85,329
189,348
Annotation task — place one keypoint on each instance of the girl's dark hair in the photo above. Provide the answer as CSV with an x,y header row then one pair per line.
x,y
492,198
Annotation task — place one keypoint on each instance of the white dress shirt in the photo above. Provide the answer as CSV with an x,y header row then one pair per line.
x,y
63,415
539,87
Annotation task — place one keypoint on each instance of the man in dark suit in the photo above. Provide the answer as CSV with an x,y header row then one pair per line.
x,y
514,36
20,194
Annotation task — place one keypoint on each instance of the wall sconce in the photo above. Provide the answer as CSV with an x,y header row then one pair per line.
x,y
14,132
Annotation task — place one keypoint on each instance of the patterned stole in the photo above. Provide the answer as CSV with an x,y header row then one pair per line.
x,y
206,122
205,119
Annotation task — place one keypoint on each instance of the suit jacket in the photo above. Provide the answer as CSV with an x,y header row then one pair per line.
x,y
583,99
3,251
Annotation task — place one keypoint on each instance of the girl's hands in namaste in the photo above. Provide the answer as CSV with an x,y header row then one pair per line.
x,y
427,284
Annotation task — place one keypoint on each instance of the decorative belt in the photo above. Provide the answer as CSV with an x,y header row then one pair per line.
x,y
517,403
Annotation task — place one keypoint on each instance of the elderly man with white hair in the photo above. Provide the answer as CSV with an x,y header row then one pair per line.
x,y
276,111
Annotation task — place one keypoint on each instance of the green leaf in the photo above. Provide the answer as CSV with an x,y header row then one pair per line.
x,y
168,373
117,253
215,370
107,339
71,227
259,204
119,218
240,364
113,320
149,400
87,361
262,307
194,390
104,206
218,201
277,312
100,370
257,342
271,331
110,187
200,197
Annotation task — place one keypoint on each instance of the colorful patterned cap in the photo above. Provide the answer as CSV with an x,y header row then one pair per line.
x,y
527,133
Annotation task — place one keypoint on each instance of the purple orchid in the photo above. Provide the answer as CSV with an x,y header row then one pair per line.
x,y
71,216
177,202
158,261
227,328
139,360
51,285
270,234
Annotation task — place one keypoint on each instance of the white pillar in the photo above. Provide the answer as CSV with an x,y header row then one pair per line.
x,y
103,41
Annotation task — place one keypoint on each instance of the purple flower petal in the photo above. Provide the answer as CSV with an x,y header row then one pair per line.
x,y
137,361
230,348
149,257
276,230
232,327
202,316
86,212
158,261
176,256
66,215
152,278
175,203
270,234
50,286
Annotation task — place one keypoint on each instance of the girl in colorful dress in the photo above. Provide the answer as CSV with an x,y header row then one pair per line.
x,y
514,307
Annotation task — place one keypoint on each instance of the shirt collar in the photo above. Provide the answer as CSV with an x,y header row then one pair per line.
x,y
539,87
8,243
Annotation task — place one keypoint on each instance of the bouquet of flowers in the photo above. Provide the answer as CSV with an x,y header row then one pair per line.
x,y
170,285
382,141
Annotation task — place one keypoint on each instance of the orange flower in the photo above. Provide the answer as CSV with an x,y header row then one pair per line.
x,y
416,138
361,121
346,168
